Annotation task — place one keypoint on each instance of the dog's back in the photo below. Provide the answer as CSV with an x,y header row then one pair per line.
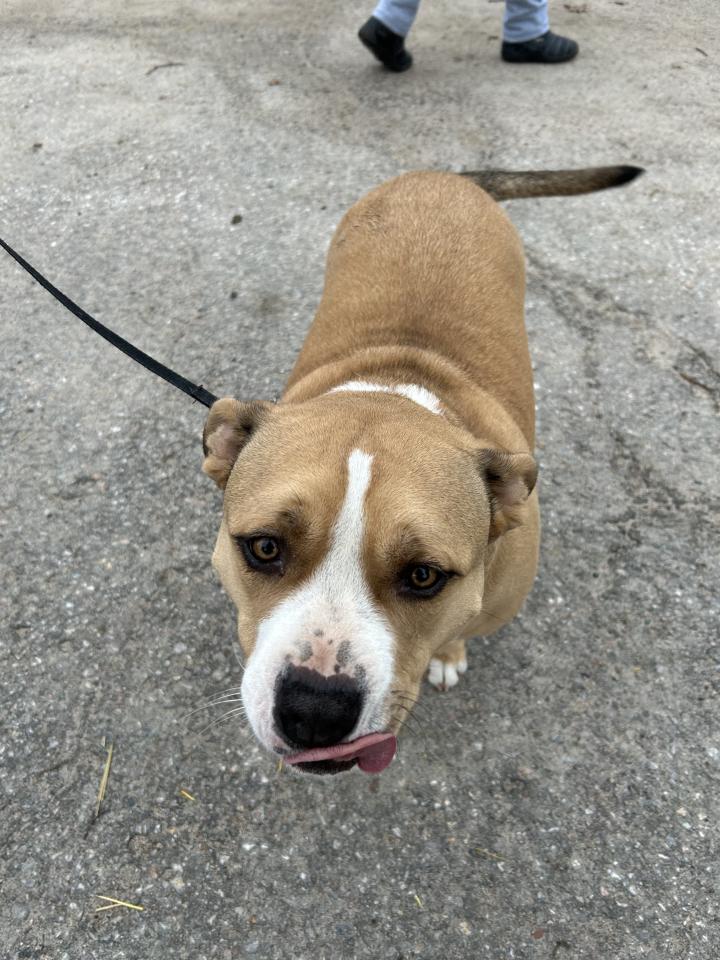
x,y
429,261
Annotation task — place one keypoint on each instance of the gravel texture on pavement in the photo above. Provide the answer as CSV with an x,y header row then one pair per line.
x,y
178,168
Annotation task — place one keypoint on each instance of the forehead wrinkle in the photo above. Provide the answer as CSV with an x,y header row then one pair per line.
x,y
291,516
410,543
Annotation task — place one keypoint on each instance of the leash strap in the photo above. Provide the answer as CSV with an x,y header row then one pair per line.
x,y
196,391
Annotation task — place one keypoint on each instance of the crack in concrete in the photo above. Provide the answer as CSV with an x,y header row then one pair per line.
x,y
699,371
575,298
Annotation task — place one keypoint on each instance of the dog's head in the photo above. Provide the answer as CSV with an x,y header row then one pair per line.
x,y
355,531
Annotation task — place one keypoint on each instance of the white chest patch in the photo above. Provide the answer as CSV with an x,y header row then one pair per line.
x,y
411,391
331,615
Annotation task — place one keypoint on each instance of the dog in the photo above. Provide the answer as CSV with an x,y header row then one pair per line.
x,y
385,510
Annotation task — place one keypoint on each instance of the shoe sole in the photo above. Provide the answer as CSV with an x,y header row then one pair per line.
x,y
521,58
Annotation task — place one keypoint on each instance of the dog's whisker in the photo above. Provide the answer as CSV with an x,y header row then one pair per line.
x,y
407,706
419,706
233,689
425,743
226,697
415,714
401,692
237,657
399,718
408,715
209,705
405,697
223,719
420,722
228,694
227,716
409,718
410,723
409,712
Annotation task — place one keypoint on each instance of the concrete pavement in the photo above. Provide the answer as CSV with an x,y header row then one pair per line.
x,y
178,168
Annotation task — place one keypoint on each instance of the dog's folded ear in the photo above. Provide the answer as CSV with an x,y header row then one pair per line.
x,y
510,479
229,426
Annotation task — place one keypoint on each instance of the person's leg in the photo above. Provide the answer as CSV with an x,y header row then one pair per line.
x,y
397,15
527,37
525,20
384,33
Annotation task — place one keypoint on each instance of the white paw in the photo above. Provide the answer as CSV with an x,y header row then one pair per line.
x,y
443,675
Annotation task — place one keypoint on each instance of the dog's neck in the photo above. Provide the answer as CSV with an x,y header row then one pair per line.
x,y
425,377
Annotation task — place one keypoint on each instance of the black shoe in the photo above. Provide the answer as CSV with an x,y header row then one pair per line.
x,y
388,47
549,48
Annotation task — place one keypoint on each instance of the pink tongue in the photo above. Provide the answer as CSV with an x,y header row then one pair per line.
x,y
373,752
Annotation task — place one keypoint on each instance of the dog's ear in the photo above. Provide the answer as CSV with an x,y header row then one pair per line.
x,y
229,426
510,479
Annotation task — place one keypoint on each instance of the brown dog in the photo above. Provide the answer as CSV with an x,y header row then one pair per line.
x,y
385,511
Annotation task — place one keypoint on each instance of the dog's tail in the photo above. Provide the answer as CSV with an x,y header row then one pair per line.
x,y
513,184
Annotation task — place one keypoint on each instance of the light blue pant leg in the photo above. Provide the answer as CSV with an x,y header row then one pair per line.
x,y
397,15
524,20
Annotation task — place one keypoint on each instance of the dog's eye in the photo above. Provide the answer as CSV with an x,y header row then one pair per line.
x,y
423,580
265,549
262,553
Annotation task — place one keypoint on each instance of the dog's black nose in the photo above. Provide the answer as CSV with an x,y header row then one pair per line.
x,y
315,711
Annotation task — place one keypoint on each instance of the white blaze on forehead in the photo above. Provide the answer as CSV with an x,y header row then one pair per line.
x,y
336,605
411,391
344,560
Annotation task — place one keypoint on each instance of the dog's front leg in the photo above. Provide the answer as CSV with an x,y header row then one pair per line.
x,y
448,665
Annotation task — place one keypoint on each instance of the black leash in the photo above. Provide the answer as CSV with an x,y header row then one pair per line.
x,y
194,390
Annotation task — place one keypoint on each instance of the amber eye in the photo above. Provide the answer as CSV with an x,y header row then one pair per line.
x,y
422,580
264,549
422,577
262,553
